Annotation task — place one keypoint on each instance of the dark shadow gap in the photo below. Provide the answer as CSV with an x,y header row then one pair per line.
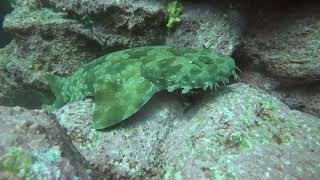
x,y
5,8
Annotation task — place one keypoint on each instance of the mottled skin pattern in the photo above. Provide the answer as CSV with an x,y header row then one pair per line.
x,y
122,82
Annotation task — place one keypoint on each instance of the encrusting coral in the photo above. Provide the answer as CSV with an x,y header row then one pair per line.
x,y
122,82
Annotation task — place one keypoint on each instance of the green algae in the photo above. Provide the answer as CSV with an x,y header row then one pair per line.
x,y
174,10
171,172
268,111
216,174
43,165
17,161
32,165
120,1
86,141
240,140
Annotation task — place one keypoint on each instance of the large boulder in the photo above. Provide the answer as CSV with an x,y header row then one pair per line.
x,y
235,132
242,132
238,131
214,25
130,149
33,146
42,43
117,24
281,51
285,38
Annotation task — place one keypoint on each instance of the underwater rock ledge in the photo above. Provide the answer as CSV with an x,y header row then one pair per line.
x,y
236,132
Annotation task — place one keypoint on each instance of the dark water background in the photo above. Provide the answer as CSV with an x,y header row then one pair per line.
x,y
5,8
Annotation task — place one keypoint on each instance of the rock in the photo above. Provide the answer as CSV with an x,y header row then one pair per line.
x,y
242,132
303,97
128,150
33,146
286,39
5,79
20,84
280,52
306,98
236,132
42,44
116,24
46,41
209,25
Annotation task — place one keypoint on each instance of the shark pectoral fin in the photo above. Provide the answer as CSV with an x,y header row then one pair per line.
x,y
116,101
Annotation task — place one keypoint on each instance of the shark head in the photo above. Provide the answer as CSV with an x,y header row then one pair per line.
x,y
186,68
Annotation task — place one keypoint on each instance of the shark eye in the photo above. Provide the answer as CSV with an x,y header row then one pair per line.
x,y
195,63
207,61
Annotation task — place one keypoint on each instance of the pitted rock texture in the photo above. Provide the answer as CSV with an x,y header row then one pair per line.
x,y
127,150
210,25
117,23
33,146
42,43
242,132
235,132
303,97
286,40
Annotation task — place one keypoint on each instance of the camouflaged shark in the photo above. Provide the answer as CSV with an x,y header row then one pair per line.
x,y
122,82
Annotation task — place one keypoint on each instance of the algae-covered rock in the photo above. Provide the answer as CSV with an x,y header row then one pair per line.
x,y
280,52
303,97
288,45
19,85
33,146
209,25
115,24
6,80
241,132
41,44
16,161
236,132
45,42
130,149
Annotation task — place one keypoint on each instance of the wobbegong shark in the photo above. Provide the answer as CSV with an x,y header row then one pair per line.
x,y
122,82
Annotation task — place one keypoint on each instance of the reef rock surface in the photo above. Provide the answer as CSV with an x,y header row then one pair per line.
x,y
236,132
34,146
